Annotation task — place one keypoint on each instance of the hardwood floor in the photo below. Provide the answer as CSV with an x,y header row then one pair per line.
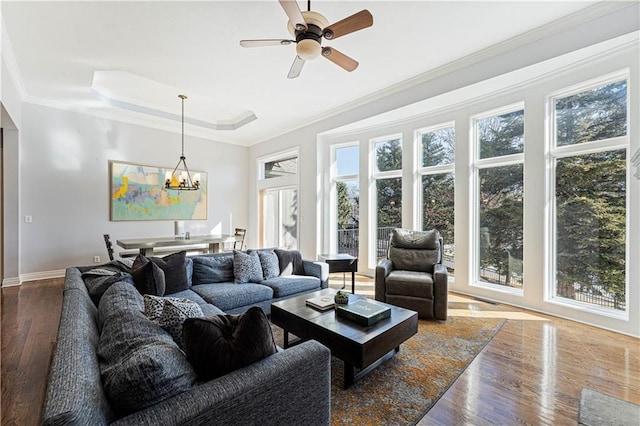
x,y
530,373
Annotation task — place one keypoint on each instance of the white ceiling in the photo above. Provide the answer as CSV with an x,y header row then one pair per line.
x,y
192,48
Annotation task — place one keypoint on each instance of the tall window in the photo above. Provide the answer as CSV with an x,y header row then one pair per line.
x,y
499,189
437,155
278,189
387,199
347,198
589,166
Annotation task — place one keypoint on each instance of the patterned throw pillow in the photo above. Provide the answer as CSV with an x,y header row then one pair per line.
x,y
270,264
170,313
246,267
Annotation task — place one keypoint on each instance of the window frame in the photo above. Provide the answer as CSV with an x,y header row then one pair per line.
x,y
422,171
487,163
553,153
333,191
374,176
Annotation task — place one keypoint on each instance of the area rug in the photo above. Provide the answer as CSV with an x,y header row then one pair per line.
x,y
402,390
598,409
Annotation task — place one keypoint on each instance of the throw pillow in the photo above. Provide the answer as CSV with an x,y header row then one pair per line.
x,y
246,267
170,313
212,269
153,306
174,315
98,280
175,271
290,262
220,344
270,264
148,277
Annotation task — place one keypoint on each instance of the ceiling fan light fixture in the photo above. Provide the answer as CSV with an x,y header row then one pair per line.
x,y
308,49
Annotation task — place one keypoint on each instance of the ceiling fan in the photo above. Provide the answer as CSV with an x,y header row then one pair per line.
x,y
309,28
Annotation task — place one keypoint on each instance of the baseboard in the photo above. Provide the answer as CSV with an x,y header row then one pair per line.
x,y
45,275
10,282
34,276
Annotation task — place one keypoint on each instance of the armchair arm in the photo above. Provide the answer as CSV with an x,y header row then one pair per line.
x,y
440,291
319,270
383,269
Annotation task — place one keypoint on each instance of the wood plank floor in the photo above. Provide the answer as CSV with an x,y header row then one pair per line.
x,y
531,372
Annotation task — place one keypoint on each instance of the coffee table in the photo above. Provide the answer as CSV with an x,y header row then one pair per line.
x,y
359,347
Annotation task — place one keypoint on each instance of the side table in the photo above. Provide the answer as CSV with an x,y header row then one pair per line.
x,y
341,262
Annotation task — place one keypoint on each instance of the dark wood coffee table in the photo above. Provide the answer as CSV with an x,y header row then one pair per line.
x,y
359,347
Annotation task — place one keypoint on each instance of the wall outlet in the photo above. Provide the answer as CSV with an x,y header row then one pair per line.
x,y
96,259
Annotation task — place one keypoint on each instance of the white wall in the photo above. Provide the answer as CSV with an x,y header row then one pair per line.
x,y
65,184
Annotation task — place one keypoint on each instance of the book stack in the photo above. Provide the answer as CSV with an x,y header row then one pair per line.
x,y
363,312
321,303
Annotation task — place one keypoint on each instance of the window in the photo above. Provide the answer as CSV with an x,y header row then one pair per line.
x,y
280,167
346,205
278,191
437,155
589,165
499,183
387,199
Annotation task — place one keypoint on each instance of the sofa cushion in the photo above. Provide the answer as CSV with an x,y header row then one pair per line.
x,y
98,280
140,364
270,263
246,267
207,308
228,296
292,284
410,283
220,344
148,277
175,271
290,262
414,250
212,269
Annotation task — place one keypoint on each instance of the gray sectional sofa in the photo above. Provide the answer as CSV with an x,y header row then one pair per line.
x,y
105,316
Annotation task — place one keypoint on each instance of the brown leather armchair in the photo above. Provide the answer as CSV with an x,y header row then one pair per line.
x,y
412,275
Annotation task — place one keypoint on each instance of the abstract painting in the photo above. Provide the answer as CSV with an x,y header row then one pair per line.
x,y
137,192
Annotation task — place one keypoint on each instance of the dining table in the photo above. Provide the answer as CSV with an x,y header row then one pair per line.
x,y
147,246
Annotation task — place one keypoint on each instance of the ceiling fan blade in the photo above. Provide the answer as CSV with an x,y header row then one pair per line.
x,y
339,58
355,22
292,10
296,67
265,42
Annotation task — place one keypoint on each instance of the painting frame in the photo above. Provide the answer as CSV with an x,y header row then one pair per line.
x,y
137,193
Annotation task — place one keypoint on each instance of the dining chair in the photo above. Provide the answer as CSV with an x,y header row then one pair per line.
x,y
123,253
107,241
238,244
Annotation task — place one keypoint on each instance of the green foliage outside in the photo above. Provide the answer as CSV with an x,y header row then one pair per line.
x,y
389,190
591,196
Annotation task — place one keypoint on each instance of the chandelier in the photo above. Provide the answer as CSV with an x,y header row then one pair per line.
x,y
180,178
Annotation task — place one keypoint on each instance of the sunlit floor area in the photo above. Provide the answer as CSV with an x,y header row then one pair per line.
x,y
531,372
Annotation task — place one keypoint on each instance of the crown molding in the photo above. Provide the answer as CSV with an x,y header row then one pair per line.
x,y
131,118
631,41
